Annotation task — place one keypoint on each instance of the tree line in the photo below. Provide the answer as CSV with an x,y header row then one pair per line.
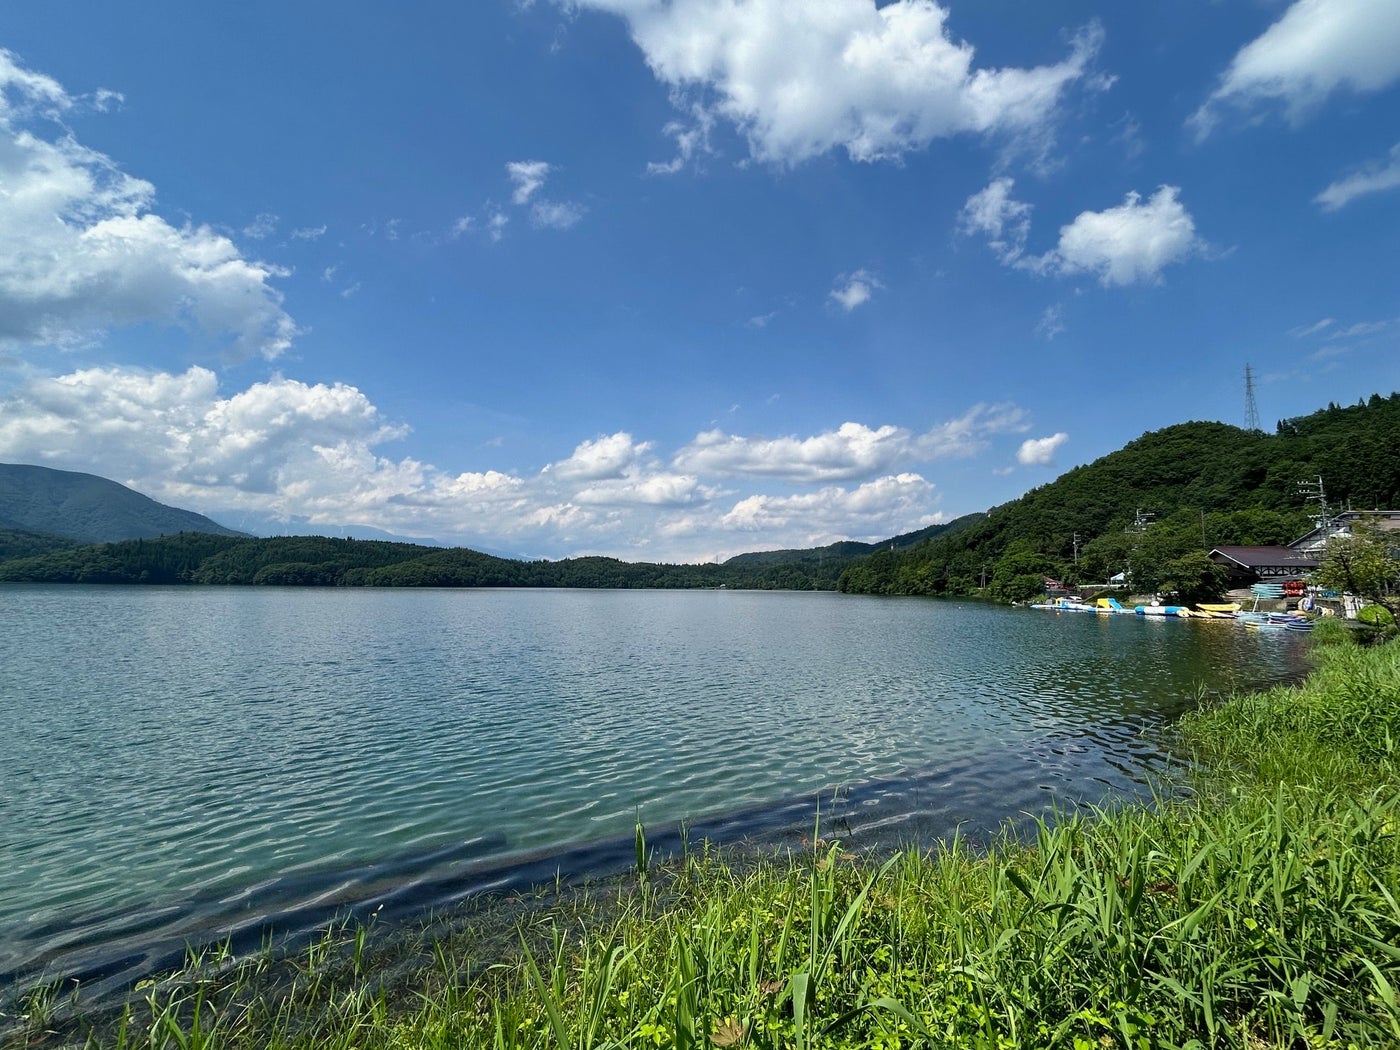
x,y
1155,508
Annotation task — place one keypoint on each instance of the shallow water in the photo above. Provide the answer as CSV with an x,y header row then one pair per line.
x,y
181,764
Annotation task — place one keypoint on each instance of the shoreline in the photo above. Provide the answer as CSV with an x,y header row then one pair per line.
x,y
1255,914
396,895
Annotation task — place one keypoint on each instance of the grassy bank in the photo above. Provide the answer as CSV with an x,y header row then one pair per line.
x,y
1263,912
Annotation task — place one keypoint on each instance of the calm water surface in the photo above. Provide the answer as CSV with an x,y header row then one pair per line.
x,y
181,762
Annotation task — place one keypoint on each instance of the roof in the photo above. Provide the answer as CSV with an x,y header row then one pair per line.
x,y
1256,558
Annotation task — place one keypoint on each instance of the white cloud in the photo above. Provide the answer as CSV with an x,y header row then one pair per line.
x,y
82,252
24,93
852,451
967,434
1051,323
312,454
854,289
1129,244
1318,47
1004,221
496,225
263,226
798,80
657,490
692,140
1312,329
874,509
309,233
605,457
1040,452
1376,177
555,215
527,176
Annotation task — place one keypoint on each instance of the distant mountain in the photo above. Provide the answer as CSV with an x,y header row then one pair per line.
x,y
846,550
87,508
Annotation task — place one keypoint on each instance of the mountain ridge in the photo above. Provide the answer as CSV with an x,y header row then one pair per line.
x,y
89,508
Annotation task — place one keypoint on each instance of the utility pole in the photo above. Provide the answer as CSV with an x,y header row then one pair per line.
x,y
1141,519
1312,492
1076,548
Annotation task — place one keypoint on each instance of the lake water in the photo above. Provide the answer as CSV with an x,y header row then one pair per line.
x,y
182,763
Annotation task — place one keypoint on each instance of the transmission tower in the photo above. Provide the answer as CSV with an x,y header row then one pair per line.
x,y
1251,410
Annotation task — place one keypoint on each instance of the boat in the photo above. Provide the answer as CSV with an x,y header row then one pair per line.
x,y
1066,605
1219,610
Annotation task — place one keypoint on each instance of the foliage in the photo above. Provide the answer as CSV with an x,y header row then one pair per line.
x,y
1194,578
1366,563
1375,616
1204,484
19,543
319,561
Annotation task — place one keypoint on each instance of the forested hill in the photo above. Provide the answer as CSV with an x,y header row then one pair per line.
x,y
824,565
1201,484
87,508
199,558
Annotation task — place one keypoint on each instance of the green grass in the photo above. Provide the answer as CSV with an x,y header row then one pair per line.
x,y
1261,912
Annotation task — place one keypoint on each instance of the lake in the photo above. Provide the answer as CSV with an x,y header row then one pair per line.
x,y
180,763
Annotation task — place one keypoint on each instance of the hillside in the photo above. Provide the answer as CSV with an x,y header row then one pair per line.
x,y
87,508
826,564
1201,484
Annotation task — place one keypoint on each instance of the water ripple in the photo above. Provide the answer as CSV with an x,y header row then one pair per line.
x,y
183,763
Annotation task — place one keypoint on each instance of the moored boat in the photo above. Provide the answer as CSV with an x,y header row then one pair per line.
x,y
1219,610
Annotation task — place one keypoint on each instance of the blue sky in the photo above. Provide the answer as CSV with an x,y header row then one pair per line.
x,y
676,279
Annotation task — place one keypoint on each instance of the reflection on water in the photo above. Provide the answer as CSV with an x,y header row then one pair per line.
x,y
185,761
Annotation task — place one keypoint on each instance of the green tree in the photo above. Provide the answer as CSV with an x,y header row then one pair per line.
x,y
1194,578
1366,563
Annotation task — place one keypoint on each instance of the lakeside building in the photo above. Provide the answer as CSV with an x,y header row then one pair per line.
x,y
1277,564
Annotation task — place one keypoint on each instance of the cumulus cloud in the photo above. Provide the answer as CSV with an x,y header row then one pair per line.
x,y
852,451
1128,244
1040,452
82,252
604,457
854,289
1316,48
870,509
1376,177
315,454
800,80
